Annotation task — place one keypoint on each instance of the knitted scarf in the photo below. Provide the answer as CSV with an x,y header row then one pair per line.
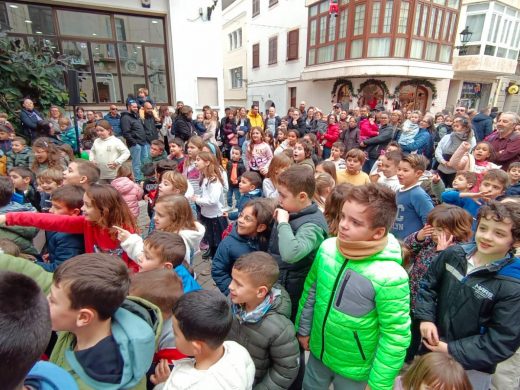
x,y
259,312
359,250
456,138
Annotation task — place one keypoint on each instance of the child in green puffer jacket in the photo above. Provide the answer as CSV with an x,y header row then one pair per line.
x,y
354,312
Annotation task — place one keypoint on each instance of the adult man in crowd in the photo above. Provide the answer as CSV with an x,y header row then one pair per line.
x,y
482,124
150,123
114,118
91,118
135,135
29,118
272,121
506,140
460,110
54,116
255,118
296,122
303,112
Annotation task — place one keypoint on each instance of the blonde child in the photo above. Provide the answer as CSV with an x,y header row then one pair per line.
x,y
108,151
131,192
327,167
48,180
259,154
324,185
279,163
333,206
209,200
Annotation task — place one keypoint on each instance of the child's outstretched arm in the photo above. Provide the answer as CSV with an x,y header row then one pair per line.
x,y
58,223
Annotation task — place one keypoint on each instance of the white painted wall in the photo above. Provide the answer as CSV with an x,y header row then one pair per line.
x,y
270,82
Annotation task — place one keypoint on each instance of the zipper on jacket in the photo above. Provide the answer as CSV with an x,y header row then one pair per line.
x,y
329,306
358,342
342,289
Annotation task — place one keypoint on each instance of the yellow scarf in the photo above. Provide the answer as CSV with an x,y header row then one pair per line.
x,y
359,250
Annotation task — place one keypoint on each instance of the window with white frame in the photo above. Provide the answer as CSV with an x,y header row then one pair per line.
x,y
236,77
235,39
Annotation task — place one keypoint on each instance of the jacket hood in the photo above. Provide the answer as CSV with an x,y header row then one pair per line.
x,y
132,330
48,376
192,238
123,184
282,303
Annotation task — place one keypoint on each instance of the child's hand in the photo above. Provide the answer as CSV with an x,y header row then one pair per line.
x,y
225,214
122,234
429,333
441,347
3,218
443,241
466,145
426,231
281,215
263,171
162,372
112,165
304,341
436,178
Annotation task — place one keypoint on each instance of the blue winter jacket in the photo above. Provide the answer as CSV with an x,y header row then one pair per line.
x,y
61,247
48,376
188,282
228,251
115,122
422,142
242,201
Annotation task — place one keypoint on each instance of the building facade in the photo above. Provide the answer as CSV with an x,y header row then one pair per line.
x,y
122,46
487,67
386,53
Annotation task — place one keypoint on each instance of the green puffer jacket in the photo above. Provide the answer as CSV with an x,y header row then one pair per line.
x,y
272,345
357,313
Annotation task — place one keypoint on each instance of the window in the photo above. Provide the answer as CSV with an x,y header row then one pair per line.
x,y
378,47
292,96
256,7
81,24
387,22
256,55
403,17
236,77
293,38
235,39
376,10
207,89
272,2
359,21
273,51
476,25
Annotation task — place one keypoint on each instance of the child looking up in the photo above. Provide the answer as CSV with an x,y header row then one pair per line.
x,y
249,234
209,200
261,320
108,151
258,154
250,188
353,315
20,154
413,203
66,200
298,231
302,154
279,163
467,306
353,174
201,323
81,172
103,208
446,225
235,168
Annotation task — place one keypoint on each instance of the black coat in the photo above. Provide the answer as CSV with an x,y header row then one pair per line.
x,y
379,142
29,121
183,128
300,126
476,314
132,129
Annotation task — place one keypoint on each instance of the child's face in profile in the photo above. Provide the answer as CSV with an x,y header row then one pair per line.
x,y
166,187
155,151
71,174
63,317
60,208
4,135
494,238
514,175
298,153
19,182
175,149
90,212
388,167
354,224
245,186
353,165
183,345
491,188
242,290
17,146
161,218
460,183
288,201
150,260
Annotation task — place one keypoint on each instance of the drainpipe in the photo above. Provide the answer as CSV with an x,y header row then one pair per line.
x,y
497,92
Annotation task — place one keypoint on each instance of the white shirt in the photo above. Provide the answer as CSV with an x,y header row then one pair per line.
x,y
234,371
392,182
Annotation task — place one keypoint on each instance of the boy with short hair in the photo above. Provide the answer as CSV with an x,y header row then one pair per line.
x,y
48,180
354,312
20,154
21,236
6,132
104,340
355,158
65,200
514,179
469,301
81,172
302,152
22,180
389,165
201,322
413,203
235,168
177,152
299,229
250,188
159,250
493,184
261,322
336,153
25,336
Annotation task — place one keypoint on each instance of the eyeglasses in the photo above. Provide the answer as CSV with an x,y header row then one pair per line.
x,y
460,110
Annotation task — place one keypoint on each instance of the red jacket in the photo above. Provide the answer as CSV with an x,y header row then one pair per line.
x,y
96,238
331,135
367,130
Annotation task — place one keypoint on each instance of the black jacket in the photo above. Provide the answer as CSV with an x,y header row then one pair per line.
x,y
29,121
132,129
183,128
379,142
150,128
300,126
482,126
477,315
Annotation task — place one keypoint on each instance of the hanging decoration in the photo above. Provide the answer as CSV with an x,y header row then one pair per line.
x,y
417,82
333,8
380,83
340,82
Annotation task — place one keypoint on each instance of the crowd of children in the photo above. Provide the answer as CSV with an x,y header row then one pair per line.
x,y
338,254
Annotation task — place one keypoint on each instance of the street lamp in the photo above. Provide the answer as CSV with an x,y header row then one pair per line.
x,y
465,37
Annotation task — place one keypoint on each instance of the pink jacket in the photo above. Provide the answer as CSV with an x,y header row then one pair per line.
x,y
367,129
132,192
